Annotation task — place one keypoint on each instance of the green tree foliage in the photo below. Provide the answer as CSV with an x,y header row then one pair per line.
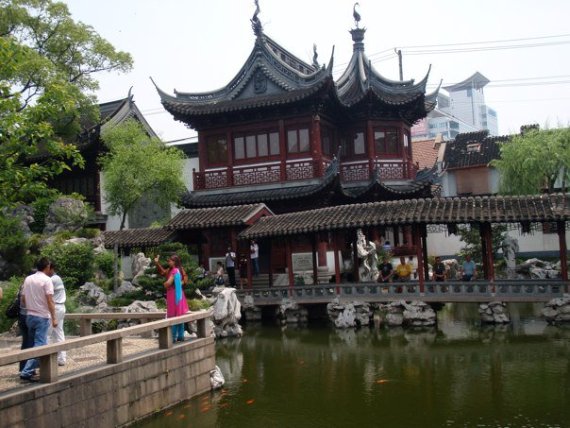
x,y
533,162
47,67
74,262
472,240
138,166
10,290
13,247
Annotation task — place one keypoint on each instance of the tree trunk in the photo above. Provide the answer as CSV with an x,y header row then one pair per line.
x,y
123,218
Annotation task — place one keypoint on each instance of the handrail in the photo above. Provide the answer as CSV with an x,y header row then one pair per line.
x,y
85,318
47,354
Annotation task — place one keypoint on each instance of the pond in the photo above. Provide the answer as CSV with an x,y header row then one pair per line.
x,y
460,374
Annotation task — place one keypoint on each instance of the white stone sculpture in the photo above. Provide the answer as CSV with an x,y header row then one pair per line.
x,y
227,313
494,313
366,251
216,378
139,265
510,247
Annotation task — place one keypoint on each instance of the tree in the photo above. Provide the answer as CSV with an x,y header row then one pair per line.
x,y
139,166
534,161
47,67
472,239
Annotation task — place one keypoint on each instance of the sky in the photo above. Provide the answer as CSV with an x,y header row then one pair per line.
x,y
521,46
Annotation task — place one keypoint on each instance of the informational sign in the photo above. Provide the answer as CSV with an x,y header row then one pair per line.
x,y
302,262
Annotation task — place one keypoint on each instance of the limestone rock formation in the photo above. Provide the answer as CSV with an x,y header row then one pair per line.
x,y
65,214
494,313
354,314
227,313
413,314
139,265
557,311
289,312
250,311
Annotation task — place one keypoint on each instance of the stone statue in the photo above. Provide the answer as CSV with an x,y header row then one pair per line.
x,y
366,252
510,247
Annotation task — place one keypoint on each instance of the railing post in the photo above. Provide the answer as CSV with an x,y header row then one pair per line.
x,y
165,338
202,327
115,351
48,368
85,327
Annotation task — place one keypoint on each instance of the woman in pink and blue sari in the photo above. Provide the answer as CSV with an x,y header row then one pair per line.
x,y
176,304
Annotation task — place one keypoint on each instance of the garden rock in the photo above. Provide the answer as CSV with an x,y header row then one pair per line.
x,y
413,314
226,314
65,214
125,288
250,311
139,265
354,314
290,312
25,214
494,313
216,378
91,294
557,311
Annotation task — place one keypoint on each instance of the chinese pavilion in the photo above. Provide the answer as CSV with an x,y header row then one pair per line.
x,y
285,133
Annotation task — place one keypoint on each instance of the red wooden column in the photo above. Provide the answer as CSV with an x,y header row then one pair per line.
x,y
270,251
314,239
355,273
487,245
289,259
316,146
417,237
370,147
561,229
283,150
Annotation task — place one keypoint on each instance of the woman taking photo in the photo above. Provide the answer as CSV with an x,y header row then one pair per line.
x,y
176,304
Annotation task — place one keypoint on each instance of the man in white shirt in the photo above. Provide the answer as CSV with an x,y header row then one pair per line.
x,y
231,266
37,296
254,250
56,334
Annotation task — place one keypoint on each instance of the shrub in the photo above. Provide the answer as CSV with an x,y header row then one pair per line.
x,y
41,208
10,290
196,304
89,232
13,247
74,262
104,262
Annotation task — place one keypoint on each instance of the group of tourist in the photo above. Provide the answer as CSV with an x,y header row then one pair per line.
x,y
404,271
41,313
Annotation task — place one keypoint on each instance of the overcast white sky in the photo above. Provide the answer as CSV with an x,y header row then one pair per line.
x,y
198,46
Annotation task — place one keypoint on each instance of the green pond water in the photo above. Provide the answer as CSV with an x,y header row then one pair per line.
x,y
460,374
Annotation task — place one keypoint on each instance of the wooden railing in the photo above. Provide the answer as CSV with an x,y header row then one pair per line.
x,y
47,354
86,318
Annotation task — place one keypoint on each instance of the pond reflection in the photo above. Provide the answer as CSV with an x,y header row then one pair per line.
x,y
458,374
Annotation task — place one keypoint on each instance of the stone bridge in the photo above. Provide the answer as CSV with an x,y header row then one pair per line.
x,y
443,292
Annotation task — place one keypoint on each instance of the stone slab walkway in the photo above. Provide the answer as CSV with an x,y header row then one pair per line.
x,y
77,359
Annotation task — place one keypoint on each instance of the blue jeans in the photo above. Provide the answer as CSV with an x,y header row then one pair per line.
x,y
178,332
255,263
37,331
27,341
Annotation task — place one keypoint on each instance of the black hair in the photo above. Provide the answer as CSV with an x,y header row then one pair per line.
x,y
43,263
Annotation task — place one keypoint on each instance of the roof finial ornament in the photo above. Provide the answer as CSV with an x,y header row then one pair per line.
x,y
356,15
315,56
255,22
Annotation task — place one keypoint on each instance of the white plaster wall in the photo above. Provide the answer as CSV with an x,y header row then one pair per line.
x,y
113,221
188,177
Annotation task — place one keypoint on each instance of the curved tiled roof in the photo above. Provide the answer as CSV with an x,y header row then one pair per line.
x,y
129,238
286,78
215,217
491,209
473,149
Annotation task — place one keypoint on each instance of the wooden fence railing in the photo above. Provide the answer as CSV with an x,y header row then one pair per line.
x,y
47,354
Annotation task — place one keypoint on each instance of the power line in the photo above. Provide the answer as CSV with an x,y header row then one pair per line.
x,y
482,49
487,41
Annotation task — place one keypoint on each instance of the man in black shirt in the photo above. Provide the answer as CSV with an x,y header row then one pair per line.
x,y
438,270
386,271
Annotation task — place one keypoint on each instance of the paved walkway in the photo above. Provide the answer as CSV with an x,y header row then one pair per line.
x,y
80,358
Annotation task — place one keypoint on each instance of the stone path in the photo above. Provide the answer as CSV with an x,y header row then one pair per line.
x,y
80,358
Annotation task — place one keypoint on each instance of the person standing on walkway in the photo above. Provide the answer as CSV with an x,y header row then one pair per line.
x,y
254,250
56,334
231,266
439,272
468,269
176,304
37,297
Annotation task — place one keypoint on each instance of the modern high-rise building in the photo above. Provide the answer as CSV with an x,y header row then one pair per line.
x,y
462,109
